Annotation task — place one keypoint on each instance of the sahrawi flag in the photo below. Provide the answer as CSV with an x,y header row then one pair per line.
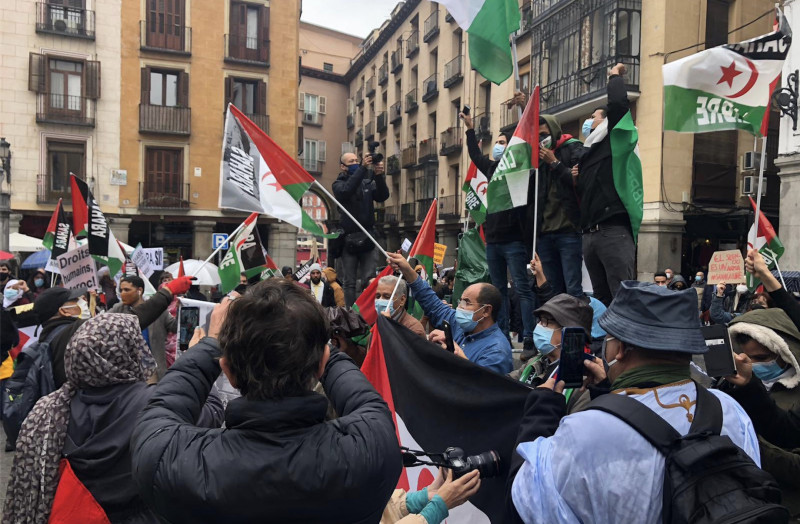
x,y
257,175
488,24
239,255
58,238
726,87
439,400
90,221
423,246
508,187
767,243
475,188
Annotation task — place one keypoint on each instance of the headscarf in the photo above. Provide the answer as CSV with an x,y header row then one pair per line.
x,y
6,302
106,350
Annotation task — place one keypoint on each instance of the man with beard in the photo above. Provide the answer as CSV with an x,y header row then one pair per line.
x,y
320,289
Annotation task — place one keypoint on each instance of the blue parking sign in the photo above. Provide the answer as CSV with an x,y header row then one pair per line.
x,y
219,240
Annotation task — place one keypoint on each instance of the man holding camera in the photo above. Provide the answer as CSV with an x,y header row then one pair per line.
x,y
357,188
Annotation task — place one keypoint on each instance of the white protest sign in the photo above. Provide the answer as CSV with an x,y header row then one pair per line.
x,y
142,261
406,245
78,269
156,256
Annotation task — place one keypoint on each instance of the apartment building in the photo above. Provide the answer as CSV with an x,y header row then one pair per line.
x,y
60,109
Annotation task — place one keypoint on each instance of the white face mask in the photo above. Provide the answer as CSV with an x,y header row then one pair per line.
x,y
85,313
741,289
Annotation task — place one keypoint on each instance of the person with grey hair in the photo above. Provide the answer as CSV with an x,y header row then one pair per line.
x,y
396,308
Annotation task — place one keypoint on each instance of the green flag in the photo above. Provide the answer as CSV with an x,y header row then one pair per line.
x,y
627,169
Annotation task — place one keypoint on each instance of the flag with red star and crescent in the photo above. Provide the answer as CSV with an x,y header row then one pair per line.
x,y
258,176
728,86
475,188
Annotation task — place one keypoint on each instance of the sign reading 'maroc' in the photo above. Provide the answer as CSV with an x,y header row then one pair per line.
x,y
78,269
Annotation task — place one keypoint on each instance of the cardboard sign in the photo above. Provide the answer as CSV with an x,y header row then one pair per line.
x,y
142,261
438,253
726,266
78,269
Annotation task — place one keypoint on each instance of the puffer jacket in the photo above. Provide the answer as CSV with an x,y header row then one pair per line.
x,y
775,330
276,461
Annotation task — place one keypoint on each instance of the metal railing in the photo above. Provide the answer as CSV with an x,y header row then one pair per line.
x,y
62,20
167,38
449,18
382,121
57,108
430,88
450,141
509,116
423,205
49,188
359,139
526,18
383,73
312,118
396,59
370,86
483,126
586,84
452,71
163,194
395,112
312,165
171,120
360,96
351,121
407,211
411,101
247,50
369,130
412,44
428,151
262,121
380,215
409,156
431,26
448,207
393,165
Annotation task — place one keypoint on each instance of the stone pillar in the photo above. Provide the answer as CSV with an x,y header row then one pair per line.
x,y
14,220
282,244
450,239
659,241
119,226
789,225
201,239
5,217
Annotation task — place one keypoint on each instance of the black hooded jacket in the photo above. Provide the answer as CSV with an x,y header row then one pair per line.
x,y
357,193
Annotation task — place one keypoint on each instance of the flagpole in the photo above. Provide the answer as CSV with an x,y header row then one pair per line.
x,y
213,253
780,273
758,195
517,86
535,210
346,212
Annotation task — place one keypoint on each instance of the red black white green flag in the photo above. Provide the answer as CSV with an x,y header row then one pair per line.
x,y
767,243
423,246
89,220
231,267
58,238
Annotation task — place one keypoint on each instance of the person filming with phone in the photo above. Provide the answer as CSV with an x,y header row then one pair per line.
x,y
476,335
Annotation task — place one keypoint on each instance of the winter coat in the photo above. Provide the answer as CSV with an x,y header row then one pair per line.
x,y
722,310
277,460
598,196
357,193
328,299
338,292
775,330
504,226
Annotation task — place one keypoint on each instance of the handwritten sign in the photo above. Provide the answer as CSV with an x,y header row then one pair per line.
x,y
438,253
78,269
142,261
726,266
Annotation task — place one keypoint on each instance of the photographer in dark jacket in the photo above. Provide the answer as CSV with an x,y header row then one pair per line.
x,y
506,248
609,250
277,460
357,188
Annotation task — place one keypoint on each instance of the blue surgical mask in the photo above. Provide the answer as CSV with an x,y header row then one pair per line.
x,y
464,319
497,151
38,282
352,168
381,304
587,126
11,294
768,371
698,279
541,339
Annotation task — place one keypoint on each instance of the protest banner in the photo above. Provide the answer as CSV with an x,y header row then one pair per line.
x,y
142,261
78,269
156,256
727,267
438,253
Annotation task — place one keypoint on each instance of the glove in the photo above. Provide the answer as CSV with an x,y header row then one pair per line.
x,y
179,286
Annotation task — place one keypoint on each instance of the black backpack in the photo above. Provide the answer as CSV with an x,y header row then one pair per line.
x,y
707,478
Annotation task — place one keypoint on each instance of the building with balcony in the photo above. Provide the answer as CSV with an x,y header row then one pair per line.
x,y
60,111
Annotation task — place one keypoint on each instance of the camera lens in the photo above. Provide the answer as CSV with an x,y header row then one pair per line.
x,y
488,463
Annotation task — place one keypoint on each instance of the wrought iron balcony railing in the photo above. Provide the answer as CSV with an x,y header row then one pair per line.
x,y
412,44
409,156
395,112
431,26
448,207
62,20
430,88
171,120
163,194
382,121
246,50
452,71
383,73
428,151
396,59
58,108
393,165
450,141
407,211
411,101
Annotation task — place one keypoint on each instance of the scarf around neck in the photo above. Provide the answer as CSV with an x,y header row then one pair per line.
x,y
651,376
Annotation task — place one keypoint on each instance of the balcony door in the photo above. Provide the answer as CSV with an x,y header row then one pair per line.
x,y
66,87
163,176
63,158
165,23
67,16
249,32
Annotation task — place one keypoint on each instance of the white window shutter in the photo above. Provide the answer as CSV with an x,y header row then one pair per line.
x,y
300,100
321,151
322,101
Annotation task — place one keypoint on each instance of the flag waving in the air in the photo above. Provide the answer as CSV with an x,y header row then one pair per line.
x,y
728,86
508,187
365,303
767,243
254,259
88,218
58,237
422,249
475,188
232,265
258,176
488,24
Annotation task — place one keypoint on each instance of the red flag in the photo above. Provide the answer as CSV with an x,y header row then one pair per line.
x,y
80,208
365,304
422,249
181,271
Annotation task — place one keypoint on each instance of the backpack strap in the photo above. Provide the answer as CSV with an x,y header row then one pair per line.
x,y
644,420
707,413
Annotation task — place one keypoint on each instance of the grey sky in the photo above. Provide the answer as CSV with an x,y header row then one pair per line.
x,y
355,17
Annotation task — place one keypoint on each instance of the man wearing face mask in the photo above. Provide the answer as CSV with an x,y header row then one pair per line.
x,y
558,241
570,475
397,308
357,188
729,302
507,246
476,335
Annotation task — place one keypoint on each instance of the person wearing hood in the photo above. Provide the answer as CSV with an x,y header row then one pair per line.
x,y
609,249
558,241
729,302
16,293
38,282
320,289
771,344
678,283
338,293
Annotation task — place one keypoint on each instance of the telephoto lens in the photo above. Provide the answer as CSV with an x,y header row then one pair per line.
x,y
488,462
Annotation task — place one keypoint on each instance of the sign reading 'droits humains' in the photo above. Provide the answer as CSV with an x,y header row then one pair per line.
x,y
727,267
78,269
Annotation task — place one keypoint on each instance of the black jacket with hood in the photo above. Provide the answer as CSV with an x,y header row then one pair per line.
x,y
599,201
357,193
277,460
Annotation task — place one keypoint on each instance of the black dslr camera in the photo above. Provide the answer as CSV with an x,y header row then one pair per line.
x,y
376,157
488,462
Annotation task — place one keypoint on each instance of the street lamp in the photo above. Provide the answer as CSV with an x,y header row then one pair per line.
x,y
5,196
5,157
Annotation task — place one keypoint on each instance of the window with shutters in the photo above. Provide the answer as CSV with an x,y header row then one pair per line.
x,y
248,36
314,154
313,107
250,97
164,105
66,88
165,26
63,158
163,185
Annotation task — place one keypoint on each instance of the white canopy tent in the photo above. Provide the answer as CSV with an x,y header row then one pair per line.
x,y
24,243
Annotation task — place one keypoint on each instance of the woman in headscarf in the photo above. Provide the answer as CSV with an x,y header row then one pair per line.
x,y
89,422
16,293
